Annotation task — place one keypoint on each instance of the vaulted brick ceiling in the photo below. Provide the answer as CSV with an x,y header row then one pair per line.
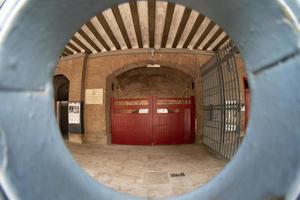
x,y
147,24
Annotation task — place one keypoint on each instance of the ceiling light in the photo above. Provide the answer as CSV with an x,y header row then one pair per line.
x,y
153,65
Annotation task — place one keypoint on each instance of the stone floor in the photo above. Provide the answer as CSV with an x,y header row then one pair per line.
x,y
150,172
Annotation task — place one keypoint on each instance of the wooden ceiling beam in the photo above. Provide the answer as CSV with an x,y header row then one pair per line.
x,y
136,22
152,25
213,38
64,54
97,35
89,40
109,32
167,24
185,17
221,43
79,43
68,51
121,25
151,21
72,46
194,30
204,34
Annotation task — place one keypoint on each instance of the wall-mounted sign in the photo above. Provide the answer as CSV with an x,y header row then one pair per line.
x,y
162,110
74,112
143,111
94,96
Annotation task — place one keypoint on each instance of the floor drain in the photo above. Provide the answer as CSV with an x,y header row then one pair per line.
x,y
177,174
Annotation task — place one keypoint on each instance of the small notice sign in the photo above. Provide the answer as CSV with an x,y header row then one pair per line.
x,y
94,96
144,111
74,112
162,110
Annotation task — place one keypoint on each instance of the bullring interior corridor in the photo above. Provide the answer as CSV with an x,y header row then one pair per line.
x,y
151,98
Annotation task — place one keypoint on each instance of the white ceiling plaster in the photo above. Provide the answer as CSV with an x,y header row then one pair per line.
x,y
161,11
188,28
109,16
128,22
143,17
217,41
208,37
103,33
178,12
85,42
76,45
199,32
70,49
93,38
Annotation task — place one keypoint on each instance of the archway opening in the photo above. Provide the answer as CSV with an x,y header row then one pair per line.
x,y
149,89
254,20
181,85
61,86
282,56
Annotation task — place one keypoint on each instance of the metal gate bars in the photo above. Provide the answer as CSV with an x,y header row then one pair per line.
x,y
221,102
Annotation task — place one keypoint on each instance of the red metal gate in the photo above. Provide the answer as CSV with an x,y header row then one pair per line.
x,y
247,99
153,121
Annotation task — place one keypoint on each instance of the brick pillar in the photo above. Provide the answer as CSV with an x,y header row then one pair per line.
x,y
73,67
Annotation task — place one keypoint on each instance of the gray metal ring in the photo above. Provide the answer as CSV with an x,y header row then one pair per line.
x,y
35,164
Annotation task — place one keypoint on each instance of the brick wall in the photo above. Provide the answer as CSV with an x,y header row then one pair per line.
x,y
98,70
73,68
143,82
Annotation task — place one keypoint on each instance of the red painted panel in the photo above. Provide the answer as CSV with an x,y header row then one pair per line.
x,y
128,125
247,100
247,105
168,121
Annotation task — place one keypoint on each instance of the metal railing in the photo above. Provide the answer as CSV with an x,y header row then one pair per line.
x,y
221,102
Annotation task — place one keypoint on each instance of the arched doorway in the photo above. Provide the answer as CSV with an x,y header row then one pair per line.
x,y
61,94
156,104
256,165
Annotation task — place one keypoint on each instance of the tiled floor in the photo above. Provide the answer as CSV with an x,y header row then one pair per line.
x,y
151,172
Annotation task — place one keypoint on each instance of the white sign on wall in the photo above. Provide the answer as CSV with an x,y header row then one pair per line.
x,y
74,112
162,110
94,96
143,111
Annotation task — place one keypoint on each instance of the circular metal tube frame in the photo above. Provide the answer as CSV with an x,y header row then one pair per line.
x,y
35,164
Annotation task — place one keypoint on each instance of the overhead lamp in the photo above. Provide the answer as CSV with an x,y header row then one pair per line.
x,y
153,65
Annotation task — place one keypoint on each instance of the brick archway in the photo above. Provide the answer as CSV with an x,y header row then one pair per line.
x,y
172,65
61,87
252,166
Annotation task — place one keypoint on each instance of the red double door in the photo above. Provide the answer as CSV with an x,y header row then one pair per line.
x,y
153,121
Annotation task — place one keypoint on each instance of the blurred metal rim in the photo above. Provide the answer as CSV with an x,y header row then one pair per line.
x,y
35,164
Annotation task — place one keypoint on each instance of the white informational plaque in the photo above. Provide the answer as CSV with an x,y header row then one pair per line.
x,y
74,112
162,110
94,96
144,111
